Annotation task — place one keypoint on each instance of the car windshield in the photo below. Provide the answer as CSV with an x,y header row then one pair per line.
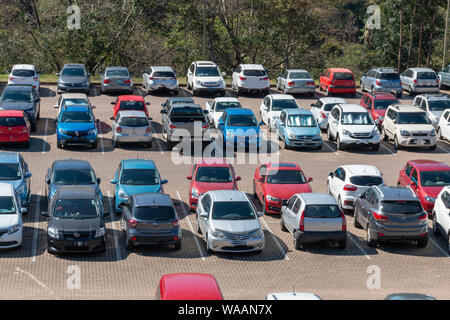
x,y
213,174
154,213
435,178
413,118
254,73
134,122
301,120
139,177
73,72
389,76
366,181
384,104
163,74
9,171
74,102
117,73
23,73
207,72
322,211
7,205
401,207
232,210
343,76
356,118
186,112
438,105
17,96
221,106
286,177
132,105
12,122
329,106
68,176
76,117
426,76
242,120
299,75
281,104
76,209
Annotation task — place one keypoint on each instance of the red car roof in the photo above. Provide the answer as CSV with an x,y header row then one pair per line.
x,y
283,165
130,98
211,162
189,286
340,70
11,113
430,165
382,95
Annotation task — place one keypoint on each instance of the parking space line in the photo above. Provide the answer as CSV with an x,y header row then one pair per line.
x,y
116,238
44,141
387,149
359,247
192,229
329,147
442,149
277,242
99,126
37,281
439,248
157,141
35,231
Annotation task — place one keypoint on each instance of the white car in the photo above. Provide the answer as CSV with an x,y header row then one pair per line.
x,y
205,77
216,108
24,74
441,215
250,78
351,124
322,108
443,129
347,182
157,78
293,296
434,105
272,106
11,225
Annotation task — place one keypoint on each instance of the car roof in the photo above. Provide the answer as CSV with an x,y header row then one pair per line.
x,y
333,100
116,68
75,192
292,111
149,199
252,66
228,195
183,99
73,107
344,70
234,111
356,169
395,193
281,96
205,63
434,96
9,157
381,95
317,198
212,162
348,107
430,165
283,165
405,108
130,97
138,164
23,67
74,96
74,65
297,70
11,113
422,69
386,70
294,296
189,286
161,68
72,164
6,189
226,99
132,113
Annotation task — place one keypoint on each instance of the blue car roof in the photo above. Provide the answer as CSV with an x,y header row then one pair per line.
x,y
72,164
239,111
9,157
138,164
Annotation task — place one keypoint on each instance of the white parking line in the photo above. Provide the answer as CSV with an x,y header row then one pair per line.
x,y
387,149
192,229
44,141
116,238
439,248
99,128
329,147
283,253
157,141
37,281
442,149
35,231
364,252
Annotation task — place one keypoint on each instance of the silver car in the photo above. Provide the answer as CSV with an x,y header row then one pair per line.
x,y
157,78
296,81
73,78
229,222
433,105
131,127
313,217
382,80
116,79
420,80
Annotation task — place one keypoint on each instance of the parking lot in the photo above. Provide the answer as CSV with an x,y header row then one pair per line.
x,y
32,273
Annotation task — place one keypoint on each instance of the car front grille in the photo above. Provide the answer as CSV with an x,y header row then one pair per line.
x,y
80,235
237,237
209,84
363,135
420,134
304,137
74,133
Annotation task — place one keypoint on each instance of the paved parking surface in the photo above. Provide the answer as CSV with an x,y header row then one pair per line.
x,y
32,273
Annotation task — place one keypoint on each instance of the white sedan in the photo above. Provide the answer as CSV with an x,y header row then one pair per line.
x,y
272,106
444,126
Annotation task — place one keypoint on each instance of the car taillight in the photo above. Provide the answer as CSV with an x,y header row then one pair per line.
x,y
242,78
148,130
265,78
132,223
127,81
176,223
323,115
344,222
378,216
11,78
35,79
119,129
310,83
171,126
423,217
437,80
291,83
349,187
151,78
106,81
415,81
25,130
206,126
302,222
378,83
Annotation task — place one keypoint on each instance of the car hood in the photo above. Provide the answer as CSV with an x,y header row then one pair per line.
x,y
432,191
285,191
381,113
16,105
308,131
209,79
437,114
72,79
77,126
204,187
236,226
16,183
8,220
75,224
130,190
359,128
56,187
416,127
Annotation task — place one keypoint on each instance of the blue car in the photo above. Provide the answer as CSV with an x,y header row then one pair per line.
x,y
76,125
238,127
134,176
14,170
298,129
382,80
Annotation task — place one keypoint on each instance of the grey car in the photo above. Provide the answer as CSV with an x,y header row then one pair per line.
x,y
229,222
72,99
76,221
420,80
434,105
131,127
150,219
382,80
391,213
444,78
73,78
296,81
116,79
312,217
172,101
22,97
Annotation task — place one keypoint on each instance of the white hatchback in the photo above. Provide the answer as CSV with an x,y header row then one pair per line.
x,y
11,225
441,215
24,74
273,105
250,78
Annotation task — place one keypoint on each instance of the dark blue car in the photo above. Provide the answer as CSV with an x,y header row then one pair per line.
x,y
76,125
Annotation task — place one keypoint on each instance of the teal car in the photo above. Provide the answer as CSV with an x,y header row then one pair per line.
x,y
134,176
298,129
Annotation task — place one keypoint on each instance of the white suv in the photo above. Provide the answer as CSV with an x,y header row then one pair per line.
x,y
408,126
434,105
250,78
24,74
347,182
441,215
11,225
205,77
272,106
443,130
351,124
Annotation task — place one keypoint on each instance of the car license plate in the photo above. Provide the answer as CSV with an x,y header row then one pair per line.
x,y
80,243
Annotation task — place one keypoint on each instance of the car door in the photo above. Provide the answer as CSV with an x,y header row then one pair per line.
x,y
315,110
333,181
205,207
333,124
445,124
338,182
265,107
25,170
281,126
259,182
443,211
405,174
288,215
114,125
190,74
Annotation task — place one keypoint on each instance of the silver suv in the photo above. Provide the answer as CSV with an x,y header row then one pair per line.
x,y
434,105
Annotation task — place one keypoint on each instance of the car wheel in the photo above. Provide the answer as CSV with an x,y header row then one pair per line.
x,y
128,245
59,145
411,91
115,143
432,148
177,246
356,224
194,92
208,249
338,143
370,241
282,225
422,243
33,127
372,90
375,147
384,137
199,231
329,136
278,86
399,95
396,143
342,244
439,133
264,207
188,86
327,92
270,126
297,244
435,223
448,243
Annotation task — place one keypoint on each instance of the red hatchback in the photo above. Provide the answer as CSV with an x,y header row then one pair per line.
x,y
130,103
377,104
210,174
14,127
337,80
188,286
275,183
426,178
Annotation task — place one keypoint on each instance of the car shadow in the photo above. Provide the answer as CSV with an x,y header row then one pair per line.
x,y
157,127
409,248
45,127
26,251
36,145
104,127
163,93
45,92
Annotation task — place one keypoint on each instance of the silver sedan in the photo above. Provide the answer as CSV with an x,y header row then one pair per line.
x,y
116,79
131,127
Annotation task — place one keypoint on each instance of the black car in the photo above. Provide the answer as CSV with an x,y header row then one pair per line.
x,y
23,98
76,221
150,219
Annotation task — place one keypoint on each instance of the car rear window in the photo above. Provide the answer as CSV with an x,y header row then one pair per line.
x,y
322,211
254,73
74,177
154,213
389,76
23,73
329,106
343,76
117,73
186,112
366,181
12,122
384,104
132,105
426,75
133,122
401,207
7,205
214,174
163,74
221,106
299,75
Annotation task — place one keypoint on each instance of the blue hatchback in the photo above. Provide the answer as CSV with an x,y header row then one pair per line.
x,y
76,125
134,176
297,128
14,170
239,127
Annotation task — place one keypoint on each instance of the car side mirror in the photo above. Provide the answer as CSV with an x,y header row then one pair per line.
x,y
23,210
261,123
259,214
113,181
28,175
238,178
48,181
189,177
163,112
310,179
45,214
377,121
99,180
57,74
147,103
163,104
164,181
313,105
331,174
204,215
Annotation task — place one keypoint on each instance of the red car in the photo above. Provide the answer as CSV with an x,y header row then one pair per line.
x,y
426,178
130,103
377,104
337,80
14,127
210,174
188,286
275,183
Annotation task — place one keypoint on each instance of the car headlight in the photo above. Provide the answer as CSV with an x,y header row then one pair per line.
x,y
292,136
13,228
62,131
195,193
217,234
53,232
404,133
92,131
272,199
430,199
346,133
21,189
433,133
123,195
100,232
198,82
375,132
85,83
258,234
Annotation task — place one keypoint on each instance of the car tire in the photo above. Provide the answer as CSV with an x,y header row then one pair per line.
x,y
283,145
435,224
177,245
282,225
59,145
399,95
384,136
342,244
411,91
254,191
439,133
188,86
329,136
375,147
372,90
128,245
432,148
362,87
51,251
422,243
338,143
149,145
356,224
33,127
269,125
448,243
208,249
199,231
115,144
263,204
194,92
297,244
370,242
238,91
396,143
